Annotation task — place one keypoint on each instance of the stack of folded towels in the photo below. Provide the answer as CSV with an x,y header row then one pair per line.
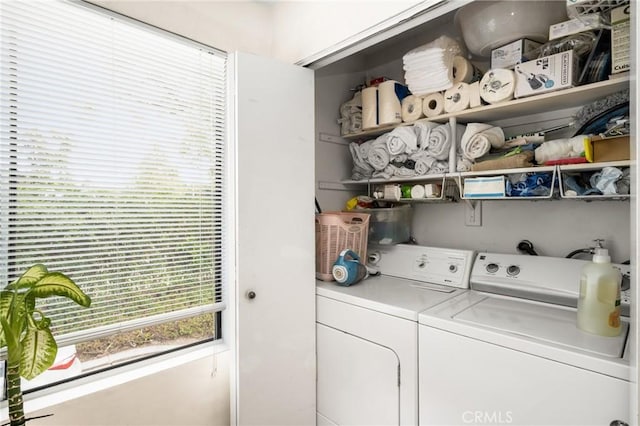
x,y
429,68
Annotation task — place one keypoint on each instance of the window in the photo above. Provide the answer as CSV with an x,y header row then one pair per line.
x,y
111,170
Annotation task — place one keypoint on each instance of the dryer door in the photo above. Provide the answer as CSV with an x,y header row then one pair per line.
x,y
357,380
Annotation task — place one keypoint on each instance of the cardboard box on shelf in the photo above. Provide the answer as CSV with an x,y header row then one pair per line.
x,y
620,38
610,149
546,74
508,56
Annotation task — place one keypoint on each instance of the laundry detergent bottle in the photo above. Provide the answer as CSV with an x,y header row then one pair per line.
x,y
599,299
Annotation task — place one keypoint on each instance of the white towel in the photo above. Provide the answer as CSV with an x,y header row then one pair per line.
x,y
423,132
440,142
402,140
424,162
462,164
479,138
378,155
361,168
440,167
560,148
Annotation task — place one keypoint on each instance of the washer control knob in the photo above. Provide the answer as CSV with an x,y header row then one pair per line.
x,y
513,270
492,267
453,268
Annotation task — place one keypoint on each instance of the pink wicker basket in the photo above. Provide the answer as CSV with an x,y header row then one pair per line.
x,y
335,232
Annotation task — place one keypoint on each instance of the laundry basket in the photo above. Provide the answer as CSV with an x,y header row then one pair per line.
x,y
335,232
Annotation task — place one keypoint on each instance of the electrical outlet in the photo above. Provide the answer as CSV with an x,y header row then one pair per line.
x,y
473,213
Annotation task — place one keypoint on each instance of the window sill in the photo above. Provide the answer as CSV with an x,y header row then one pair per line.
x,y
58,394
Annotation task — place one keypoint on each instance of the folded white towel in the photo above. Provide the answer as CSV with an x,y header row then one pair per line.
x,y
479,138
560,148
402,140
378,155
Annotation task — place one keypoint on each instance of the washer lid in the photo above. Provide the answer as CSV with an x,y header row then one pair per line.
x,y
543,322
390,295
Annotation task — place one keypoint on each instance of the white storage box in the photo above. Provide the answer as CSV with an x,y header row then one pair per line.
x,y
620,38
484,187
510,55
546,74
588,22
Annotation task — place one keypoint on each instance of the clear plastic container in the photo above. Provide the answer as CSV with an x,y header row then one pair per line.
x,y
599,300
389,225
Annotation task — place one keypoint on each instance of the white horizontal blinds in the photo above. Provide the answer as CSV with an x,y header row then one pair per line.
x,y
112,154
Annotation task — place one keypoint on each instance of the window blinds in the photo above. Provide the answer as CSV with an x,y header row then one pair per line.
x,y
111,164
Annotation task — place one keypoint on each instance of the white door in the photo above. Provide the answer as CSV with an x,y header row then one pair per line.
x,y
274,375
357,380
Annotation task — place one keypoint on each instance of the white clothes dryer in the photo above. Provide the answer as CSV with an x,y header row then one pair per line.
x,y
367,334
508,351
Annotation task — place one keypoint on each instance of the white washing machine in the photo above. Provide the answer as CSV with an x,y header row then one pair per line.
x,y
508,351
367,334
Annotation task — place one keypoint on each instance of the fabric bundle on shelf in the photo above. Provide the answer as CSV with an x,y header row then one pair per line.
x,y
523,159
429,68
351,115
561,148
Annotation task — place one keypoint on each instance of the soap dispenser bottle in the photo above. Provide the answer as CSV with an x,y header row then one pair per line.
x,y
599,299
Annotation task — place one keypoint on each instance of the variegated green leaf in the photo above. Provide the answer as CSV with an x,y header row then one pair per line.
x,y
14,308
39,351
58,284
29,278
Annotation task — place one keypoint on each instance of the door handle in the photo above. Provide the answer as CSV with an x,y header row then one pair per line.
x,y
251,294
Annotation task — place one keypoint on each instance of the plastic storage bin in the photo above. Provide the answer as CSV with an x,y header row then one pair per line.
x,y
390,225
335,232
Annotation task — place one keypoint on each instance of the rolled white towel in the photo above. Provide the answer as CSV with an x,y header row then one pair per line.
x,y
361,167
402,140
440,142
440,167
424,162
462,164
479,138
423,132
378,156
387,173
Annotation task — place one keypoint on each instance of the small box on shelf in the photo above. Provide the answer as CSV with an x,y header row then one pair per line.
x,y
611,149
484,187
546,74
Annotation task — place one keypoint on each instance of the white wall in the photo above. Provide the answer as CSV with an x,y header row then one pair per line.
x,y
304,28
226,25
185,395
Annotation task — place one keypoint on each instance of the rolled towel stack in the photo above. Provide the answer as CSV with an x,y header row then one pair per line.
x,y
407,151
479,138
429,68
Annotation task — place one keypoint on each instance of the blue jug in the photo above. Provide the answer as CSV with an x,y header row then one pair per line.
x,y
348,269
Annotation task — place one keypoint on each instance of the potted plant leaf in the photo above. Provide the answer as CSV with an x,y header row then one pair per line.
x,y
24,329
